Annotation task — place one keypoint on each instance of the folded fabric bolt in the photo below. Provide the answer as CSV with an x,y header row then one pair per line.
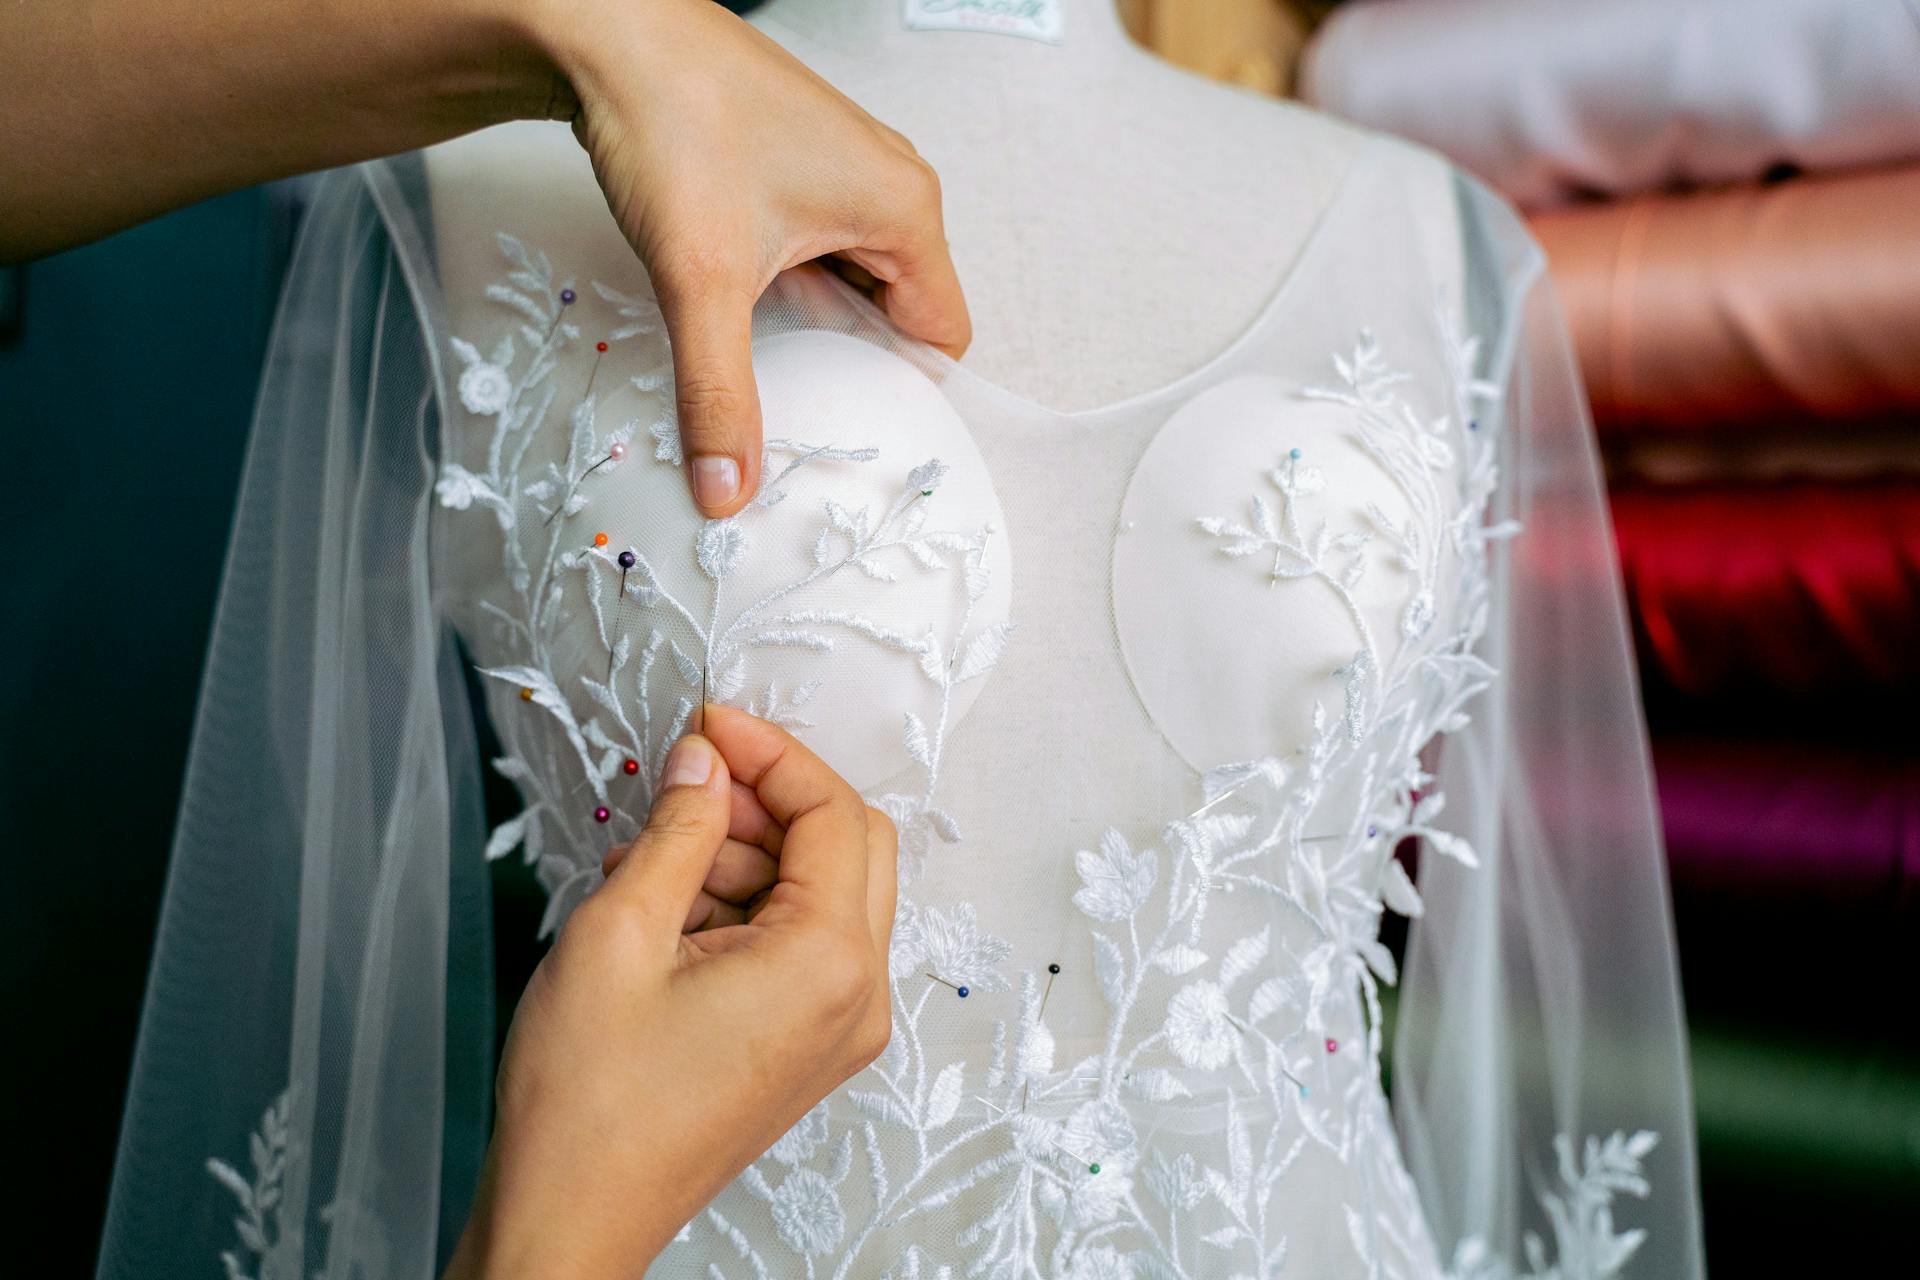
x,y
1550,99
1748,306
1807,449
1803,589
1832,830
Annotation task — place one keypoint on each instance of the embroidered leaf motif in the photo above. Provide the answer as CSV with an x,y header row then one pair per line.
x,y
918,748
510,833
981,652
1242,958
944,1098
1178,959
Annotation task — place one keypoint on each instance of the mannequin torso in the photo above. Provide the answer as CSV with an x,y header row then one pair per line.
x,y
1117,223
1086,474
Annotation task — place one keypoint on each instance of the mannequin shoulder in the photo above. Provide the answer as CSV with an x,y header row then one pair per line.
x,y
1430,185
1271,132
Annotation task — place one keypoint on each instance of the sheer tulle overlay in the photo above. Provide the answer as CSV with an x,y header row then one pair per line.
x,y
1150,738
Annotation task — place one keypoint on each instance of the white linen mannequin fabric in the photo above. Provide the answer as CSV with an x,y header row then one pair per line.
x,y
1060,648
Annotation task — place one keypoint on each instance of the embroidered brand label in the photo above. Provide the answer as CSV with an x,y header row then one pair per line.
x,y
1034,19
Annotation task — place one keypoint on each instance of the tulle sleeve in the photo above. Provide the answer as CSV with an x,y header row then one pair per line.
x,y
1540,1074
310,1086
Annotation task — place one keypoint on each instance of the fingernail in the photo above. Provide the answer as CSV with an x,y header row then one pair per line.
x,y
689,764
716,478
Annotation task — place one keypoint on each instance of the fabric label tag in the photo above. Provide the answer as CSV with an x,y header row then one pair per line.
x,y
1034,19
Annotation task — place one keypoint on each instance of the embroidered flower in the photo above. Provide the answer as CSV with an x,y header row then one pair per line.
x,y
956,949
1417,616
1198,1027
1117,882
720,547
1101,1133
485,388
927,474
807,1213
800,1142
1098,1197
458,487
666,442
904,948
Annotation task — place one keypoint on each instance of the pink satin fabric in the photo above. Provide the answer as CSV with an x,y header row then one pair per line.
x,y
1748,306
1807,590
1796,880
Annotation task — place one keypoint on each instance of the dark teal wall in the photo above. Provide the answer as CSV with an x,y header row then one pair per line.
x,y
125,396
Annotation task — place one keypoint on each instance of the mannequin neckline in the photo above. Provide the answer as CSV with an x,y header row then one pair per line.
x,y
949,368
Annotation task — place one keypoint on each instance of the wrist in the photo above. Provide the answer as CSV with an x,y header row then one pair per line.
x,y
505,64
521,1225
592,45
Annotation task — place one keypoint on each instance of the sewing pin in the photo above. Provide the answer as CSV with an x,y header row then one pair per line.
x,y
599,350
1222,796
625,561
1246,1030
1053,971
1372,831
963,992
1093,1166
566,300
615,452
705,666
1293,465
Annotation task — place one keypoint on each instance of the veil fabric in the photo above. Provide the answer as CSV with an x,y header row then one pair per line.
x,y
311,1086
312,1067
1541,998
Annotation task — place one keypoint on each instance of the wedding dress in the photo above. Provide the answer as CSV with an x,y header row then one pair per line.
x,y
1154,690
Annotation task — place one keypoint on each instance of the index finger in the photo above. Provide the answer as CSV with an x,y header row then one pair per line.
x,y
825,846
917,286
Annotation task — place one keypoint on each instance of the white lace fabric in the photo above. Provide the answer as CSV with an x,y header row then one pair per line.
x,y
1153,692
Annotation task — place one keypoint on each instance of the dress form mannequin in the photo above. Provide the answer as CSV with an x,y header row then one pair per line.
x,y
1145,656
1170,209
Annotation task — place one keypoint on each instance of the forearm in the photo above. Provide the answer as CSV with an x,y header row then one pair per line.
x,y
115,110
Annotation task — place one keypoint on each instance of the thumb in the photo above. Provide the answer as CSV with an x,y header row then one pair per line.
x,y
710,327
669,860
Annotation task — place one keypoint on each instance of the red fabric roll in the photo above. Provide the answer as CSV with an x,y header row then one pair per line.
x,y
1746,306
1800,589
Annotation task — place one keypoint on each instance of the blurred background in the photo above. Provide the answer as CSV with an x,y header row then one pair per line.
x,y
1729,197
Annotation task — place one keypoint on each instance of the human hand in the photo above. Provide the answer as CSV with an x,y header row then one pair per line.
x,y
730,973
725,162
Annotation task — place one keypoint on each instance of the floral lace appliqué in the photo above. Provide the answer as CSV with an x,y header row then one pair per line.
x,y
1060,1165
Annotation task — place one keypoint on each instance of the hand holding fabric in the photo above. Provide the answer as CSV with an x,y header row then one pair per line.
x,y
672,1034
726,161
